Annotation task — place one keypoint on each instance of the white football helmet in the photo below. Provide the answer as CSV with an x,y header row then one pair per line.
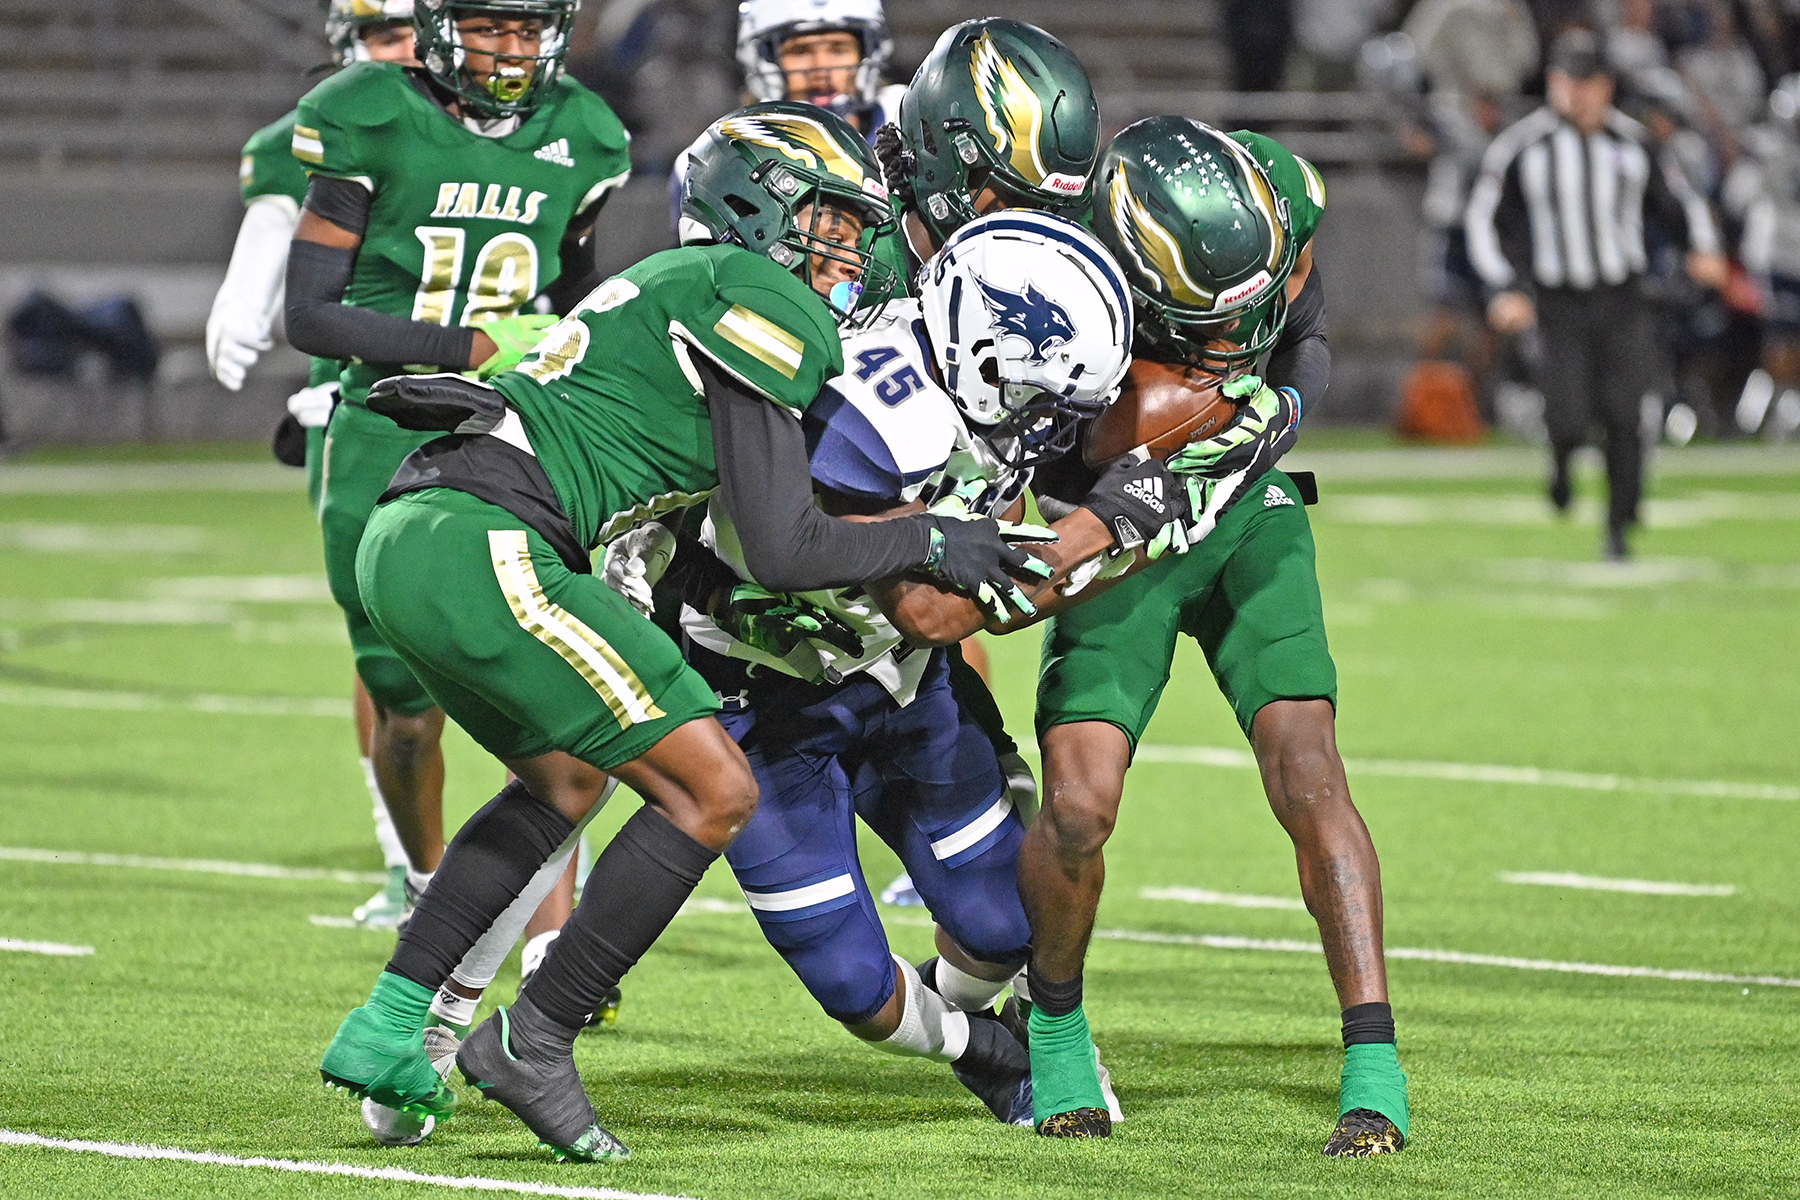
x,y
1030,323
346,19
764,24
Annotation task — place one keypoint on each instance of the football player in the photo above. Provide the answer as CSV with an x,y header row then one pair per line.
x,y
442,200
238,331
678,378
841,704
1215,234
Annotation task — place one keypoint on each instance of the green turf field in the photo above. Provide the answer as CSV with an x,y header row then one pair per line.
x,y
174,683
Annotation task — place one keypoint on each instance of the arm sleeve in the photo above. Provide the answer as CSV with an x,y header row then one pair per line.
x,y
765,487
1496,222
319,323
251,294
579,274
1302,358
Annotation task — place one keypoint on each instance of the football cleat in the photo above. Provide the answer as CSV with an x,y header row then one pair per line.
x,y
384,908
902,893
542,1088
1364,1133
380,1055
396,1126
1081,1123
997,1069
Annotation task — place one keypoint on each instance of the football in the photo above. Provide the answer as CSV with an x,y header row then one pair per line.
x,y
1161,405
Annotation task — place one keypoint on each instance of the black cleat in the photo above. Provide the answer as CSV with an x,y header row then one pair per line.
x,y
1616,548
1081,1123
1562,491
607,1011
1015,1014
1364,1133
997,1069
519,1060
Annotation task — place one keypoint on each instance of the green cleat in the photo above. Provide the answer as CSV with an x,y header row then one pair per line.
x,y
379,1051
596,1145
1364,1133
1068,1099
384,909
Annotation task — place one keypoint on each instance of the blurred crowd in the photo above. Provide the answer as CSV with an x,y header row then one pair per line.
x,y
1715,85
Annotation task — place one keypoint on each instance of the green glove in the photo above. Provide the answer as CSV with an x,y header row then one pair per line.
x,y
775,623
514,337
1264,415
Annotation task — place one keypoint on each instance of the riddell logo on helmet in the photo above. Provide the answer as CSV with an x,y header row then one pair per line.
x,y
1243,291
875,188
1068,185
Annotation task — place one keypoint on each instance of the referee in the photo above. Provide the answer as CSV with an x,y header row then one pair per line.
x,y
1556,229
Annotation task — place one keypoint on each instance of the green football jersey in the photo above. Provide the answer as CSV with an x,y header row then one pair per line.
x,y
611,401
463,228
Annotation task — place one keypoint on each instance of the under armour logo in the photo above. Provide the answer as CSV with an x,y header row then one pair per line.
x,y
556,152
1275,496
1149,493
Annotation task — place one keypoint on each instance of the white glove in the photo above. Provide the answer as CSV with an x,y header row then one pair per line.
x,y
311,406
1021,786
244,311
636,560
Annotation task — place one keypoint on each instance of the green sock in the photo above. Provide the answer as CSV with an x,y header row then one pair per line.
x,y
1064,1076
400,1002
1373,1080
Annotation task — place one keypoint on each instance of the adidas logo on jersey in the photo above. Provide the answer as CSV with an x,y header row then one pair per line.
x,y
556,152
1275,497
1149,493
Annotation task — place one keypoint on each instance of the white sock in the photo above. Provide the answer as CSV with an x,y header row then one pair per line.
x,y
483,961
532,957
929,1028
457,1010
420,880
393,854
964,991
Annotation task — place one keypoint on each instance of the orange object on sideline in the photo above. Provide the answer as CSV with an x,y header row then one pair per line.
x,y
1437,404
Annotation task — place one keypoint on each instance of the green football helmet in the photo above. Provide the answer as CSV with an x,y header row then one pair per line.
x,y
998,104
754,171
1205,240
519,83
346,19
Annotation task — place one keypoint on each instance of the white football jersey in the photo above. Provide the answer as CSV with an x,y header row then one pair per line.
x,y
882,431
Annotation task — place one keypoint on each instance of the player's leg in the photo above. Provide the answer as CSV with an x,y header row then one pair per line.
x,y
1104,668
1624,356
1263,631
1565,378
384,909
529,658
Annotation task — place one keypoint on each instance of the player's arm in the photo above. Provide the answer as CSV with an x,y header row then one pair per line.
x,y
243,313
1302,357
579,273
789,545
320,262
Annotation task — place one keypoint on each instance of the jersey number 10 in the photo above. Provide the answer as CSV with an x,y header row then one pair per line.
x,y
504,277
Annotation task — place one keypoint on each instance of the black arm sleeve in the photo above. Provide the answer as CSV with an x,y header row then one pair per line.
x,y
579,274
766,488
319,323
1302,358
343,203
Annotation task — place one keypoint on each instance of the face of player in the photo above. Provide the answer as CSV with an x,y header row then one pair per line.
x,y
389,41
840,227
500,52
1582,101
820,67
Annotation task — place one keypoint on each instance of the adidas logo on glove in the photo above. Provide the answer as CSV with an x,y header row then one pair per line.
x,y
556,152
1150,494
1275,497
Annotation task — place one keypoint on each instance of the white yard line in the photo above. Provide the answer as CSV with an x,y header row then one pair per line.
x,y
54,949
101,479
1596,883
231,706
203,866
473,1183
1188,895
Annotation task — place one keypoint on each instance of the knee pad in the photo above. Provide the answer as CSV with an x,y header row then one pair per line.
x,y
842,958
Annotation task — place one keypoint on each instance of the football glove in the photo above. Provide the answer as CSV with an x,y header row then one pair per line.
x,y
636,560
1021,786
311,406
978,556
231,352
776,623
1268,420
1142,503
514,337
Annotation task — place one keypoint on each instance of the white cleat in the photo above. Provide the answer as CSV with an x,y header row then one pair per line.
x,y
902,893
396,1127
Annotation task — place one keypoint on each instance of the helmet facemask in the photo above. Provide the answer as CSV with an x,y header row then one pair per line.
x,y
510,83
1217,347
807,245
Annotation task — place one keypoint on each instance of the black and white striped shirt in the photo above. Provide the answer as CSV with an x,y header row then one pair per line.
x,y
1567,208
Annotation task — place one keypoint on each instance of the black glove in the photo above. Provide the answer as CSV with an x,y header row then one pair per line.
x,y
976,555
1141,501
445,403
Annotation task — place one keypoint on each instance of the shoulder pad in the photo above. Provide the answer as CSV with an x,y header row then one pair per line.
x,y
883,428
594,115
775,292
1296,180
366,94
